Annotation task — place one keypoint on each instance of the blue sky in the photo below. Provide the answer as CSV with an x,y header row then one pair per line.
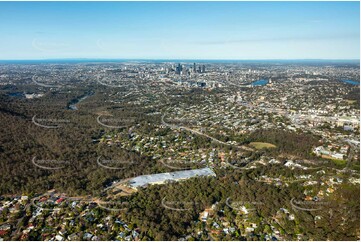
x,y
180,30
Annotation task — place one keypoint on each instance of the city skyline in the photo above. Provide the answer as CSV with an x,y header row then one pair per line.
x,y
180,30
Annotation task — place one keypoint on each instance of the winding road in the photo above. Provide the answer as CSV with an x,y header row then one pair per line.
x,y
204,135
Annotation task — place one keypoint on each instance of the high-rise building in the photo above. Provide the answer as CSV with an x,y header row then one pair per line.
x,y
203,68
194,67
178,69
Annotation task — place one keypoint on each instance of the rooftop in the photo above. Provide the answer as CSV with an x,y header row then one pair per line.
x,y
159,178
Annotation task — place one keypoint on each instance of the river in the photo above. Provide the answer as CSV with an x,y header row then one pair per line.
x,y
73,103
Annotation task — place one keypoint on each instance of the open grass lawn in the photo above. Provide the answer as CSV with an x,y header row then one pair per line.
x,y
350,101
261,145
338,162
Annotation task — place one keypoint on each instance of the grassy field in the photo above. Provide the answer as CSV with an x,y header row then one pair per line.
x,y
338,162
261,145
350,101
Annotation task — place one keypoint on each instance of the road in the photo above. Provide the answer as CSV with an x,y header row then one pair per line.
x,y
204,135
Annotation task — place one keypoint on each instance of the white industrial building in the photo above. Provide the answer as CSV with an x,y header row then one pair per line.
x,y
161,178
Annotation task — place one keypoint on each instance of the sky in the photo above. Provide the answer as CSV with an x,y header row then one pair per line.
x,y
180,30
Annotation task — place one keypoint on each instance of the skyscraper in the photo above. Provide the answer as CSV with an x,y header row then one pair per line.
x,y
203,68
178,69
194,68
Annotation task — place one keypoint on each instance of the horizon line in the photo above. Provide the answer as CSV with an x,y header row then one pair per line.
x,y
103,58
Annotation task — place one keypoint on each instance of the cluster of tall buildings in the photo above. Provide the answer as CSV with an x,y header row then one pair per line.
x,y
181,69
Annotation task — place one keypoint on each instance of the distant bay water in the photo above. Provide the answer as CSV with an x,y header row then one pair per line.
x,y
351,82
105,60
